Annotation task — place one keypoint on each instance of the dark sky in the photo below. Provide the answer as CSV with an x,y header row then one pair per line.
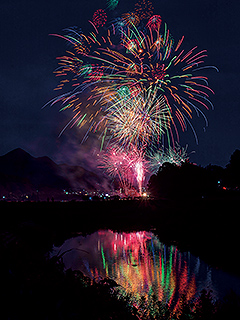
x,y
28,59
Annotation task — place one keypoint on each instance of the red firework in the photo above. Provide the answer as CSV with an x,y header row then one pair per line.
x,y
99,18
154,22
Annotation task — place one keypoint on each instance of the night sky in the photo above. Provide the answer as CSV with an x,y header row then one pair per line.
x,y
28,59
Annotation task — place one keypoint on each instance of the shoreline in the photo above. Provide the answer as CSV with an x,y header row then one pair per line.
x,y
208,228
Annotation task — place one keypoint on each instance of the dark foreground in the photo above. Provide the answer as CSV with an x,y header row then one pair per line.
x,y
209,228
32,282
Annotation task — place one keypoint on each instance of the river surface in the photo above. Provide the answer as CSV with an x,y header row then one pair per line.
x,y
144,266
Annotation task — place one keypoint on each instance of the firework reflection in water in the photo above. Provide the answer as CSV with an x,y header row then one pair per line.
x,y
140,264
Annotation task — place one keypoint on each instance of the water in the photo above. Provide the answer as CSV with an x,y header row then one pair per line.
x,y
144,266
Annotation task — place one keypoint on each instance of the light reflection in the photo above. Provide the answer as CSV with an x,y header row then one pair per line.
x,y
144,266
138,262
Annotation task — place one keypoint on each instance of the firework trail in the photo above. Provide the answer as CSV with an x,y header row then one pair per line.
x,y
139,120
103,65
144,9
140,174
112,4
132,83
129,167
176,155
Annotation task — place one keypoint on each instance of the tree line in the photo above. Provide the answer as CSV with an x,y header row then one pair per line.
x,y
189,179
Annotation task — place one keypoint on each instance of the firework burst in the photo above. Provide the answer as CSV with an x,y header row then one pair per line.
x,y
133,84
149,60
144,9
176,155
99,18
131,18
112,4
139,120
154,22
128,167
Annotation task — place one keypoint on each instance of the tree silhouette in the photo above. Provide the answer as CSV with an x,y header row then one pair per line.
x,y
233,171
186,180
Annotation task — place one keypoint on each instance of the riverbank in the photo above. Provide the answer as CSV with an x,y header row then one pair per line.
x,y
206,227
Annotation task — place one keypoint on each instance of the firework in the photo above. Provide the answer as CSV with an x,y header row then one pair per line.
x,y
135,86
129,167
112,4
99,18
154,22
118,26
139,120
130,18
176,155
140,174
151,60
144,9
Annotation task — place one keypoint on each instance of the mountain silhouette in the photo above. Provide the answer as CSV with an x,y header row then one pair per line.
x,y
21,173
